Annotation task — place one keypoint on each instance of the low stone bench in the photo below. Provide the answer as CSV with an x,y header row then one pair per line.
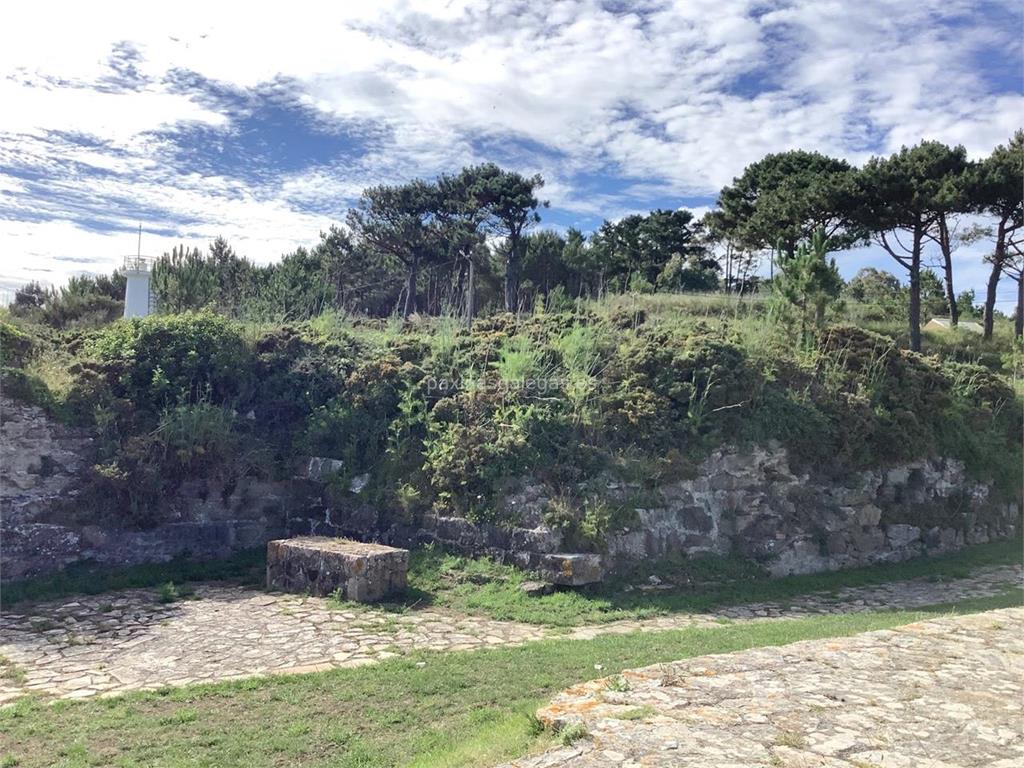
x,y
320,566
571,570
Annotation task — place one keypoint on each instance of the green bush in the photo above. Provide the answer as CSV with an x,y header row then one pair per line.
x,y
664,389
297,372
15,346
162,361
646,395
354,424
586,523
19,385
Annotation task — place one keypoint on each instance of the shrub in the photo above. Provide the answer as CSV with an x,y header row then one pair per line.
x,y
467,460
665,389
158,362
298,372
354,424
20,385
585,524
15,346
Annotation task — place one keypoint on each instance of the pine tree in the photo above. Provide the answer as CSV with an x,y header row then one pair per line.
x,y
808,282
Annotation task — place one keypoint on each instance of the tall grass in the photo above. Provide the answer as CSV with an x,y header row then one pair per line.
x,y
520,359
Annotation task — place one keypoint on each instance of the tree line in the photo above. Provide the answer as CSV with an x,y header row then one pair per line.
x,y
469,241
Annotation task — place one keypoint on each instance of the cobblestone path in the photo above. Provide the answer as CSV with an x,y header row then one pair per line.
x,y
123,641
936,694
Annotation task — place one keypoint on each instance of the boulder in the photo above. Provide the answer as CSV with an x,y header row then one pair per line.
x,y
801,556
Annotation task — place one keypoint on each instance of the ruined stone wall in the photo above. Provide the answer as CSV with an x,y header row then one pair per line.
x,y
751,503
748,502
42,468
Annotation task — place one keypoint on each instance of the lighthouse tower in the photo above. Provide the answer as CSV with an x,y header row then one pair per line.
x,y
138,299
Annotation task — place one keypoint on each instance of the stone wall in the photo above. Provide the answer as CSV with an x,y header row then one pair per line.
x,y
42,468
753,504
749,502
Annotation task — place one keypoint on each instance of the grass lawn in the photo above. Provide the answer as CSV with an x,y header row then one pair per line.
x,y
481,586
453,709
244,568
488,588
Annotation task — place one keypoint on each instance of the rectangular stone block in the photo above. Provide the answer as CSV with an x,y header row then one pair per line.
x,y
320,566
572,570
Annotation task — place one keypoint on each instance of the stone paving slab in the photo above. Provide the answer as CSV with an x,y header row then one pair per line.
x,y
123,641
943,693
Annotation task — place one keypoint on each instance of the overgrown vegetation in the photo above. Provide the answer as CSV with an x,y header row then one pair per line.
x,y
442,417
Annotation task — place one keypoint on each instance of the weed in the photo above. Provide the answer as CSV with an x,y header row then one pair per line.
x,y
180,717
635,713
791,739
11,672
171,592
617,684
572,733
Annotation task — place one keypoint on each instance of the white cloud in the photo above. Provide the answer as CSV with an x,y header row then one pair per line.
x,y
663,97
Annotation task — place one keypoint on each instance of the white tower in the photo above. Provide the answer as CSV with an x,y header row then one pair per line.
x,y
138,301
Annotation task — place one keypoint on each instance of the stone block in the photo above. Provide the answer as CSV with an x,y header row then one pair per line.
x,y
837,543
901,535
868,540
320,566
868,515
320,468
800,556
540,539
572,570
897,476
694,518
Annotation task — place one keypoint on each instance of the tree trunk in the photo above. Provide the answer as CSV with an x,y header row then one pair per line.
x,y
728,269
1018,321
512,274
990,299
410,288
993,280
819,314
470,308
947,268
915,291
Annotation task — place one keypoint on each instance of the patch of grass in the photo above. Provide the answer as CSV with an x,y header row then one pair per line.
x,y
636,713
790,739
11,672
572,733
617,684
483,586
170,592
244,567
459,709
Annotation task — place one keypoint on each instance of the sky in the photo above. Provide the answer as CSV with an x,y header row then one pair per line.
x,y
262,122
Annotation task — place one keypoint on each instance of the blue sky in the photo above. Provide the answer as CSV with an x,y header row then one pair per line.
x,y
201,121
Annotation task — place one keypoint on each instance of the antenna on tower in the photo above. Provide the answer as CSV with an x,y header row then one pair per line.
x,y
139,253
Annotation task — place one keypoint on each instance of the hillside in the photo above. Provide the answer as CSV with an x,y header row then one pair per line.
x,y
428,417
